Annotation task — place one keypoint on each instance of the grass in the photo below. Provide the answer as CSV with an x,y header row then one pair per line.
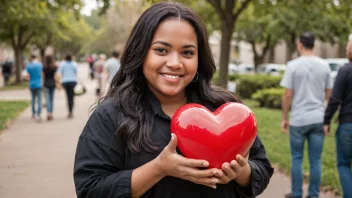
x,y
10,110
278,150
15,86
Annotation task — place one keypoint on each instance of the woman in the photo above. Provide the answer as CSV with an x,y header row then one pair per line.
x,y
126,148
68,72
50,83
98,73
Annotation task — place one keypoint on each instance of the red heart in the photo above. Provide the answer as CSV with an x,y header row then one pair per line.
x,y
214,136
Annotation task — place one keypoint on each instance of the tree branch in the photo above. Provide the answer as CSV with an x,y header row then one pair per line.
x,y
254,48
27,40
13,39
267,45
217,6
241,8
229,7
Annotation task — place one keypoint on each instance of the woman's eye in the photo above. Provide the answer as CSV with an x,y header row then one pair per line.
x,y
161,50
188,53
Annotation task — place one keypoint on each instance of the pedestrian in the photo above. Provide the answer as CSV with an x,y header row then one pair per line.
x,y
7,70
307,84
99,73
51,81
68,73
111,67
90,61
35,72
126,148
342,97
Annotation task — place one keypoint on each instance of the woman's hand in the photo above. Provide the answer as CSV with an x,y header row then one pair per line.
x,y
238,170
172,164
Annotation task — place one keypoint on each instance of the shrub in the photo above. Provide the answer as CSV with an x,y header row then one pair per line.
x,y
234,77
249,84
270,98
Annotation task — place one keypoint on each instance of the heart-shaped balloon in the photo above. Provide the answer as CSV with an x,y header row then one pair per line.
x,y
214,136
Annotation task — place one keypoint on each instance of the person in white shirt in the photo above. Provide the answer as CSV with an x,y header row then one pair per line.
x,y
111,67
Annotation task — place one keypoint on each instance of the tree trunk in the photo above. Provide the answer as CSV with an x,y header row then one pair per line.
x,y
18,63
42,51
272,55
257,61
226,37
289,52
342,51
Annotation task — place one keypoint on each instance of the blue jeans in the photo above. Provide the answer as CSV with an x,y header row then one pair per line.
x,y
36,95
49,95
344,157
314,133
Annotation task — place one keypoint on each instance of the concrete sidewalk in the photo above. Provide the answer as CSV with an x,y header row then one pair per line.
x,y
36,159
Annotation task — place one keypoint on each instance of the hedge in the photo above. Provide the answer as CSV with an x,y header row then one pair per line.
x,y
249,84
270,98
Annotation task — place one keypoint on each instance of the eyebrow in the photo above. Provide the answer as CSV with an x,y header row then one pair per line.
x,y
169,45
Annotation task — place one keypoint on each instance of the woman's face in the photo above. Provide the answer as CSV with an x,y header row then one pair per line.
x,y
172,59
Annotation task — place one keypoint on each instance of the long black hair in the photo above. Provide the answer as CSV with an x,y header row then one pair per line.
x,y
49,62
129,86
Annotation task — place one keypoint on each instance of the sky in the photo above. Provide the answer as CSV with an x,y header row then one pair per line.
x,y
89,5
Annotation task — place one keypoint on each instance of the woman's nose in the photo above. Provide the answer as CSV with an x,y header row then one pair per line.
x,y
174,61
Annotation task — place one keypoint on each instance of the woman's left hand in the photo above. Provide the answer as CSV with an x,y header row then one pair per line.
x,y
235,169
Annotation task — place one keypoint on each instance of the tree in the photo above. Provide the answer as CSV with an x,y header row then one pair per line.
x,y
22,20
298,16
115,24
258,27
228,12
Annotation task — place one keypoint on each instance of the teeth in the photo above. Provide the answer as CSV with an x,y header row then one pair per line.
x,y
171,77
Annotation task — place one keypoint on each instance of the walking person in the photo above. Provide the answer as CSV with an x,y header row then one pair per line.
x,y
90,61
111,67
51,81
7,70
307,84
342,97
68,73
126,148
99,74
35,72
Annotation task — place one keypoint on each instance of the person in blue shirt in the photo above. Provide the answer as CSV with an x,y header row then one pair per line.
x,y
68,73
35,70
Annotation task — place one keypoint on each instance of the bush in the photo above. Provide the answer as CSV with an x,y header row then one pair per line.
x,y
270,98
234,77
249,84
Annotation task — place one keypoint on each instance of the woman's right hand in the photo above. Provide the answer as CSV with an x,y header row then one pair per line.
x,y
170,163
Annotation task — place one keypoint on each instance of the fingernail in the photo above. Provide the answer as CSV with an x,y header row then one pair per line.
x,y
205,163
215,181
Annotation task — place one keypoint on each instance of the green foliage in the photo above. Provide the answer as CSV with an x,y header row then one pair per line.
x,y
77,35
297,16
10,110
270,98
21,21
234,77
249,84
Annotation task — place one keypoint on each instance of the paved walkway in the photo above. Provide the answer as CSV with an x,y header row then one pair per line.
x,y
36,159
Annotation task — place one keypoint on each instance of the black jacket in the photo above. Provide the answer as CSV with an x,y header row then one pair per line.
x,y
103,167
341,96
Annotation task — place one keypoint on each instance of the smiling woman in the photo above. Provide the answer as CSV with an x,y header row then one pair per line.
x,y
126,148
172,60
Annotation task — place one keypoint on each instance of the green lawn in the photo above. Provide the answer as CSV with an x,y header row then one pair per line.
x,y
277,145
10,110
12,86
